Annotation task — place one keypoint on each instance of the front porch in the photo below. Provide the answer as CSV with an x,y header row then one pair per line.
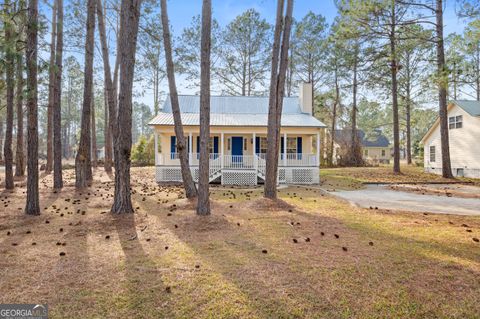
x,y
239,158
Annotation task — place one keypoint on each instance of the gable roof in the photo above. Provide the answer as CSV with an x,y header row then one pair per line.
x,y
235,111
376,139
469,106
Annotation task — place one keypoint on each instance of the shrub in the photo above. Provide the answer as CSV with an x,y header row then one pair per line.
x,y
143,152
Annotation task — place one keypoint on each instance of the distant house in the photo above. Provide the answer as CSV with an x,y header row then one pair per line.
x,y
375,145
238,142
464,140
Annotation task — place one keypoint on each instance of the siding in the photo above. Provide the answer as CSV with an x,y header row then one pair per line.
x,y
464,150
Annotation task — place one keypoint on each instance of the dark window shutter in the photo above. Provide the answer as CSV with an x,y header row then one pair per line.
x,y
299,147
257,145
173,149
282,147
215,144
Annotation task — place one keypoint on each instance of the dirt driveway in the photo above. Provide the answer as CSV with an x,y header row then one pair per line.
x,y
384,197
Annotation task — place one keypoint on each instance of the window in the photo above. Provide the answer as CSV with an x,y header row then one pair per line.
x,y
262,145
383,153
455,122
291,145
432,154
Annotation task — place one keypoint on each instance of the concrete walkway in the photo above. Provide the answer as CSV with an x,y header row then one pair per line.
x,y
384,198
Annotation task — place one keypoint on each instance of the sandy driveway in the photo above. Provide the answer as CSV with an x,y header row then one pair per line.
x,y
382,197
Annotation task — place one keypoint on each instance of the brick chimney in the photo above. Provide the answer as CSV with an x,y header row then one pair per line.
x,y
305,97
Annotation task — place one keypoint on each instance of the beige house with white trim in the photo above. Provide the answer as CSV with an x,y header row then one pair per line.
x,y
464,140
238,130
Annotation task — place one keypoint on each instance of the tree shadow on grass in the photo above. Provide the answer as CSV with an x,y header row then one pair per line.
x,y
272,282
145,290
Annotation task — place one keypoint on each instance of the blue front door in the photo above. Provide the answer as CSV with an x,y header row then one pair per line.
x,y
237,148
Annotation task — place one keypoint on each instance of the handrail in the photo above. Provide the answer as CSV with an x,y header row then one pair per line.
x,y
257,161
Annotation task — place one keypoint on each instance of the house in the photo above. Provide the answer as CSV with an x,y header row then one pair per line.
x,y
238,143
464,137
375,145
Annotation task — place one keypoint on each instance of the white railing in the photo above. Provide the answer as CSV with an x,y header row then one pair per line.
x,y
294,159
239,161
215,164
261,164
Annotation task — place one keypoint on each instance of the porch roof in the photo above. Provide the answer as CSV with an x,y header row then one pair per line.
x,y
235,111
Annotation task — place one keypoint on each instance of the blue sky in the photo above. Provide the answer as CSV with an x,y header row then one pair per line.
x,y
182,11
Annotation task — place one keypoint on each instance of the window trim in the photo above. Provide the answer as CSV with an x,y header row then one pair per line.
x,y
430,153
455,122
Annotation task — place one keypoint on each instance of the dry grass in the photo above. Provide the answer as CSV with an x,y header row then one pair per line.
x,y
419,266
354,177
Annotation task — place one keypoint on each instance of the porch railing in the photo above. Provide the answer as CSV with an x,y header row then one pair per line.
x,y
242,161
238,161
293,159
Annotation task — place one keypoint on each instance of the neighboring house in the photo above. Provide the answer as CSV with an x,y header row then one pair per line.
x,y
238,143
464,139
375,145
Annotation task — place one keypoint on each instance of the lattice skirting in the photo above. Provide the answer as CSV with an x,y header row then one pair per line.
x,y
310,175
300,175
168,174
239,177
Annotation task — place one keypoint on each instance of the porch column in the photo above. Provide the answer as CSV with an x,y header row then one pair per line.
x,y
156,147
318,148
284,149
255,163
221,150
190,148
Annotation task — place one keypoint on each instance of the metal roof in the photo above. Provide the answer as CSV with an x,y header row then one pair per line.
x,y
235,111
471,107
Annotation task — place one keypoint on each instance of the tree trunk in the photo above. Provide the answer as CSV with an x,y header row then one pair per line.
x,y
203,205
110,95
270,188
94,136
51,85
20,156
68,127
10,90
334,116
32,206
129,20
279,69
393,72
408,119
1,136
188,184
83,169
57,97
442,93
356,154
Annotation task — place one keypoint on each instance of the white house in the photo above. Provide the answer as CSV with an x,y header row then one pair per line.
x,y
238,128
464,140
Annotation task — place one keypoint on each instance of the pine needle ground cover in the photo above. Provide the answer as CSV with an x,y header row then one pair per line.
x,y
306,256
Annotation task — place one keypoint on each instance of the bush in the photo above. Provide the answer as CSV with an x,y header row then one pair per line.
x,y
143,152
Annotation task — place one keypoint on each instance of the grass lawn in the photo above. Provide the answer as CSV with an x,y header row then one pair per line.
x,y
241,262
354,177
